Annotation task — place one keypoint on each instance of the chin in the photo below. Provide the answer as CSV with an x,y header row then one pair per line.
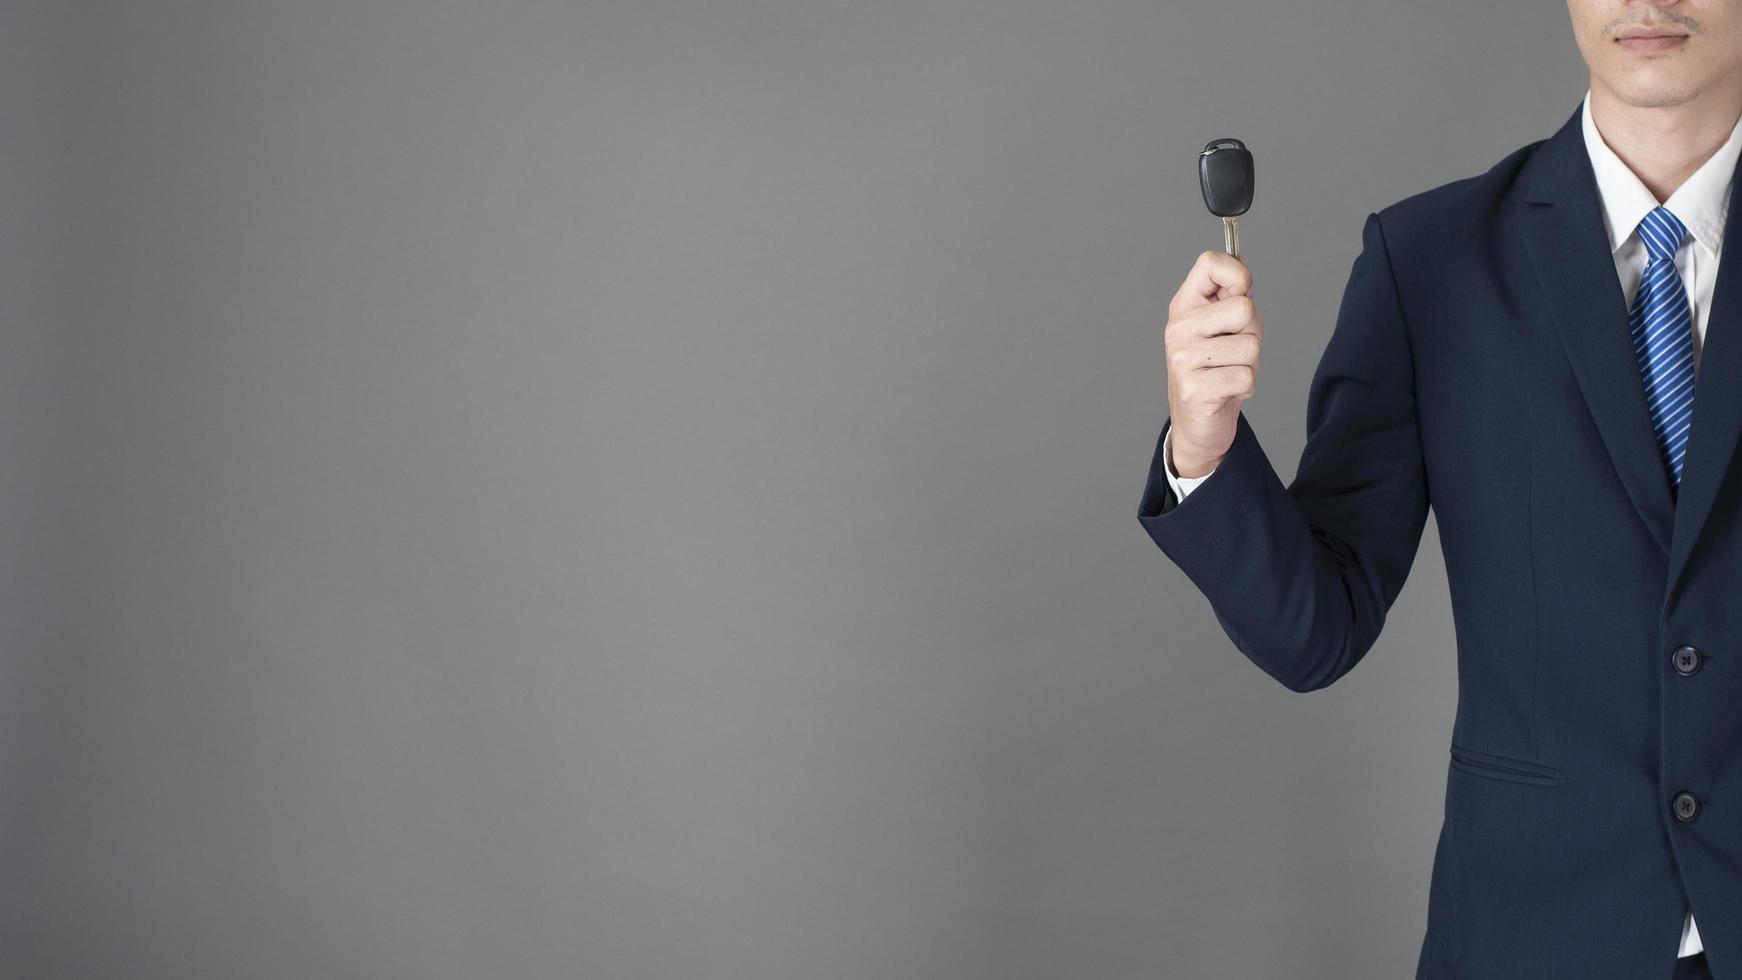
x,y
1645,93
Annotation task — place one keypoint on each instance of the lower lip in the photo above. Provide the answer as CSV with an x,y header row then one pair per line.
x,y
1652,43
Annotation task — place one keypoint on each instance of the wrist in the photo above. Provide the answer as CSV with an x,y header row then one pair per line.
x,y
1188,466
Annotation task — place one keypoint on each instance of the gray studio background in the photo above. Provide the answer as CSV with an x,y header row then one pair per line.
x,y
647,490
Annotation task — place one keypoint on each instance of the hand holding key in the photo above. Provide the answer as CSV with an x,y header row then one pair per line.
x,y
1212,340
1213,334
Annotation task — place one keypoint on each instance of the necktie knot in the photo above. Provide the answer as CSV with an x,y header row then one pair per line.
x,y
1662,232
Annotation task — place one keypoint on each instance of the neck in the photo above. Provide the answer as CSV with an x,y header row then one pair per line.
x,y
1664,144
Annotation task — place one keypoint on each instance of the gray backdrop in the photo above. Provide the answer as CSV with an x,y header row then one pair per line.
x,y
648,490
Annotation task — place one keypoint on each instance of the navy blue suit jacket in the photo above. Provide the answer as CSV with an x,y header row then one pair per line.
x,y
1481,362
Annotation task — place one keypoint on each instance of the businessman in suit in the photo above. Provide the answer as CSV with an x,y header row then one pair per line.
x,y
1521,350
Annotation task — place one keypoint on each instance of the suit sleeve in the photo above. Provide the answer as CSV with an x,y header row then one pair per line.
x,y
1301,577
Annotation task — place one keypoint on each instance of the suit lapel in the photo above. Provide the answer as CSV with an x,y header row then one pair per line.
x,y
1569,247
1717,413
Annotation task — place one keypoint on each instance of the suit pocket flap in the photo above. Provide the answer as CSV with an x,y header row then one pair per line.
x,y
1497,766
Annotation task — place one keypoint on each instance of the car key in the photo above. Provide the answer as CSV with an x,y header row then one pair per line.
x,y
1225,172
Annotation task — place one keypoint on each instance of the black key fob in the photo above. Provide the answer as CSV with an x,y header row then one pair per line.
x,y
1225,171
1225,174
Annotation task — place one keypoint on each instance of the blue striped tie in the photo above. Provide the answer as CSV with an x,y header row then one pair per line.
x,y
1663,339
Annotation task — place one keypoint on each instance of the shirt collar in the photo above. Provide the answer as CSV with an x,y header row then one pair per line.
x,y
1701,202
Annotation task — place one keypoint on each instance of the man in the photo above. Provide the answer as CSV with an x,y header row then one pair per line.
x,y
1551,353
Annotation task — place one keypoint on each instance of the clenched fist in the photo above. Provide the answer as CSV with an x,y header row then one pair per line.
x,y
1212,341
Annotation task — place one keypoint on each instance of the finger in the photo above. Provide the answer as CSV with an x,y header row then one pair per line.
x,y
1215,275
1212,385
1230,380
1234,315
1224,350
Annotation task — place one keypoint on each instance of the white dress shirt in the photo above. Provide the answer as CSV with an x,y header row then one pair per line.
x,y
1701,203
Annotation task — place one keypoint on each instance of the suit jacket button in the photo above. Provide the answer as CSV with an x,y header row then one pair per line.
x,y
1685,806
1686,660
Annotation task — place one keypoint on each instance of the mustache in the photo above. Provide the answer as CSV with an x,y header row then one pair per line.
x,y
1677,18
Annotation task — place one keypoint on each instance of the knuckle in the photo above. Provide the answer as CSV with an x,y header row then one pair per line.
x,y
1179,361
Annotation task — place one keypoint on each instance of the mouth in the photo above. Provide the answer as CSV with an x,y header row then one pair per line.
x,y
1652,41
